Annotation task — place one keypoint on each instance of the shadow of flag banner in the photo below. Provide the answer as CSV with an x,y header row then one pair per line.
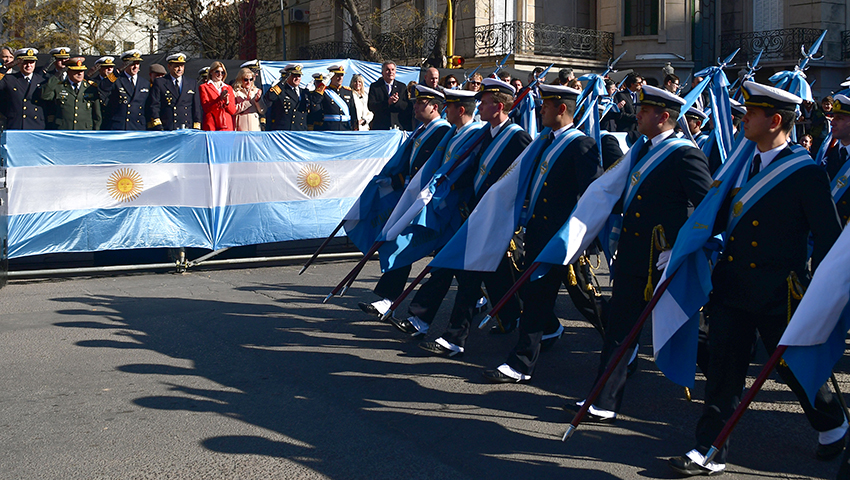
x,y
91,191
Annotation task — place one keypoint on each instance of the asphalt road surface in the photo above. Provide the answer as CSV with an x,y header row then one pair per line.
x,y
244,373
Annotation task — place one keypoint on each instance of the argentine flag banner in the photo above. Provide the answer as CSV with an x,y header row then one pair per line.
x,y
675,324
483,239
816,334
91,191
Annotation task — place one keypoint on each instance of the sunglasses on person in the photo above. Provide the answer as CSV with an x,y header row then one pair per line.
x,y
452,82
474,83
220,72
248,79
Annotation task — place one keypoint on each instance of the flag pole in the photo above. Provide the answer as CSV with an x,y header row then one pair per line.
x,y
514,288
745,402
354,271
615,359
321,247
405,293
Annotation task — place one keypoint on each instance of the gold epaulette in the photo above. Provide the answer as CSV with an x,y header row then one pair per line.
x,y
196,125
276,89
155,122
346,88
111,77
320,89
2,75
93,83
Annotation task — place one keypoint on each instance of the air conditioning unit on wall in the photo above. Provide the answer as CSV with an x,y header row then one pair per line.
x,y
299,15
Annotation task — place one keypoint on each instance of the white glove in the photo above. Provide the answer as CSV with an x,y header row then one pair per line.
x,y
663,258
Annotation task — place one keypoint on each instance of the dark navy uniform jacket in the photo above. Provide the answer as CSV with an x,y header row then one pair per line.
x,y
287,110
771,240
666,197
125,107
172,108
512,150
20,101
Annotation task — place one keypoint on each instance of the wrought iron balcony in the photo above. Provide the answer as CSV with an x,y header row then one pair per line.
x,y
777,44
413,43
845,45
542,39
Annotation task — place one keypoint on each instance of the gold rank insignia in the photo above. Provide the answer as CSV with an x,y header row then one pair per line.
x,y
841,182
543,167
734,191
635,178
736,209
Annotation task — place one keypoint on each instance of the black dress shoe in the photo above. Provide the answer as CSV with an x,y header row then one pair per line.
x,y
589,417
370,309
503,329
689,468
437,349
496,376
405,326
830,450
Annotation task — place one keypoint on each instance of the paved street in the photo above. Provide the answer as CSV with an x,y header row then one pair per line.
x,y
243,373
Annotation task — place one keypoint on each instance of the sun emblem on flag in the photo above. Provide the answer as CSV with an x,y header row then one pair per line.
x,y
313,180
125,184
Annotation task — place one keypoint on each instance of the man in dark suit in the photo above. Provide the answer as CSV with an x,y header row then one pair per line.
x,y
664,195
491,161
76,100
174,98
418,148
783,198
335,109
289,103
627,120
557,182
387,99
126,95
20,94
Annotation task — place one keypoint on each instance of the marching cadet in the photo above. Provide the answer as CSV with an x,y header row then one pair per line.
x,y
288,102
335,103
695,117
76,99
126,95
175,103
782,198
665,186
563,170
20,93
417,149
836,152
501,142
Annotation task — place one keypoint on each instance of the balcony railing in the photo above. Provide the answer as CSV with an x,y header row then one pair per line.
x,y
845,45
413,43
542,39
777,44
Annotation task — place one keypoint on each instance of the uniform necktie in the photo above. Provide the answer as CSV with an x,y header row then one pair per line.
x,y
177,84
756,167
76,88
644,150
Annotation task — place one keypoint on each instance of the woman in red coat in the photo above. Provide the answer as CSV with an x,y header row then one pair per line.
x,y
217,100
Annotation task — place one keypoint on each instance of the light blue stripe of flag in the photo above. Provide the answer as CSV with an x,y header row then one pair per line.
x,y
816,334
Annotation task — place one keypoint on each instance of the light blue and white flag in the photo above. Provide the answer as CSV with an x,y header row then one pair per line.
x,y
122,190
816,334
483,239
675,324
527,115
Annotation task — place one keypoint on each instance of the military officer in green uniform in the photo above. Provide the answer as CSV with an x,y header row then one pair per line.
x,y
76,100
